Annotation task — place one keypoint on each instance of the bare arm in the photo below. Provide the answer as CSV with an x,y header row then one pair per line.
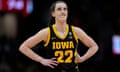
x,y
87,41
26,46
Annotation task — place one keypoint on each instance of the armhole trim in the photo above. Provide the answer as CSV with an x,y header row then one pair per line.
x,y
74,34
75,55
48,38
75,52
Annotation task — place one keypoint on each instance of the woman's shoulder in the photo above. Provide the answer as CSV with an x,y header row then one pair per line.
x,y
76,27
44,30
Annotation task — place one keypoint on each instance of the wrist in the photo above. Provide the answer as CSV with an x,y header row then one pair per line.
x,y
40,59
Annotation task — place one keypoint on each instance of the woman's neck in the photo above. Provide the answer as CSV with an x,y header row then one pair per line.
x,y
61,27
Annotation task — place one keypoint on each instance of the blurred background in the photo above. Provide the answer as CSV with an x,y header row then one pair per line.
x,y
20,19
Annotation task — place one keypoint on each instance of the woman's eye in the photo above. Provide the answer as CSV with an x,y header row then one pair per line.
x,y
65,8
59,9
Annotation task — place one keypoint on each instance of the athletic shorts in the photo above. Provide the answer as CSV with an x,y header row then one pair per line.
x,y
58,69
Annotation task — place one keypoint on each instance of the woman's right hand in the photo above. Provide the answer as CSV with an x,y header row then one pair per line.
x,y
49,62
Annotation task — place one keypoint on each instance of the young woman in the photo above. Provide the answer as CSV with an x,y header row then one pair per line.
x,y
60,40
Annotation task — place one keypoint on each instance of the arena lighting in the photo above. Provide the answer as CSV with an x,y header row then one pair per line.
x,y
116,44
0,4
17,6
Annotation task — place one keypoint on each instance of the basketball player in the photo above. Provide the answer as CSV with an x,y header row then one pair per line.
x,y
60,40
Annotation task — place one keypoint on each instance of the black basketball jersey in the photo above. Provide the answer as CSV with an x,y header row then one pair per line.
x,y
62,48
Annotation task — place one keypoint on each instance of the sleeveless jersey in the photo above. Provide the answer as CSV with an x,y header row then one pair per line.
x,y
62,48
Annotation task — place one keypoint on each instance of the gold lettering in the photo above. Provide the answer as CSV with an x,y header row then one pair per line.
x,y
71,44
62,45
65,45
53,45
58,45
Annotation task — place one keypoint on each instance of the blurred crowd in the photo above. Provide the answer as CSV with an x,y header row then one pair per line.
x,y
8,34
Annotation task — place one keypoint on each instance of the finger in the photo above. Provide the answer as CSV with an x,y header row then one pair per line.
x,y
51,61
53,58
55,64
51,66
54,61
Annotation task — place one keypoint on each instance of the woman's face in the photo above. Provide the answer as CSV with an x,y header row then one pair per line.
x,y
60,12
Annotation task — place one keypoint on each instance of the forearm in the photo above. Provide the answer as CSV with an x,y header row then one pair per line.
x,y
91,51
31,54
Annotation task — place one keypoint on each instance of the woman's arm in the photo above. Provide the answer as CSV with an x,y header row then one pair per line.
x,y
26,46
87,41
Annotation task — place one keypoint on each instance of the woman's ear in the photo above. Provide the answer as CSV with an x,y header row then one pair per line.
x,y
53,14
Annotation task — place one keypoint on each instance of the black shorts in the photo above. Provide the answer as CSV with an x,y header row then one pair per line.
x,y
54,70
62,70
59,69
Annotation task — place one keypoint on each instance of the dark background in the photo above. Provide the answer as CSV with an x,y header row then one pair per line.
x,y
98,18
